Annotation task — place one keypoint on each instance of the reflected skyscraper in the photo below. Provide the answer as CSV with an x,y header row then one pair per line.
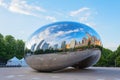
x,y
73,43
55,47
38,46
45,46
33,47
63,44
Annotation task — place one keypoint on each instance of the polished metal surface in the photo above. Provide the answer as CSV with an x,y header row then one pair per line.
x,y
62,44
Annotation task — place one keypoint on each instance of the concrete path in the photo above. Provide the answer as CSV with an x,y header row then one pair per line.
x,y
92,73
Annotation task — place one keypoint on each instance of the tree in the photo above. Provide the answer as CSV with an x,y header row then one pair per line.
x,y
118,61
117,52
10,44
106,58
2,49
111,59
10,47
117,55
20,48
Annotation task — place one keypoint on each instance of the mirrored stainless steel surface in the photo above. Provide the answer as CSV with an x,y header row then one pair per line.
x,y
63,44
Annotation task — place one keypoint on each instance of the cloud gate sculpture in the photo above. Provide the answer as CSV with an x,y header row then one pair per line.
x,y
62,44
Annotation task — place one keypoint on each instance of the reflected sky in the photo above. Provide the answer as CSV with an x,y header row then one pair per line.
x,y
57,32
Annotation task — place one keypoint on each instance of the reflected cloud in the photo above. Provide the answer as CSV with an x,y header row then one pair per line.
x,y
63,44
63,34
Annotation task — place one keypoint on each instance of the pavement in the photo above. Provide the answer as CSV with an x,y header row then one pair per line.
x,y
91,73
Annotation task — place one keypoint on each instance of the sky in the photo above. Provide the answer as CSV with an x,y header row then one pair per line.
x,y
20,18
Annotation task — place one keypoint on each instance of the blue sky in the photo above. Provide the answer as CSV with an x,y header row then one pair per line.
x,y
21,18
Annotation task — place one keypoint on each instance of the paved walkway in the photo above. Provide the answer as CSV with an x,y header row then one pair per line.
x,y
92,73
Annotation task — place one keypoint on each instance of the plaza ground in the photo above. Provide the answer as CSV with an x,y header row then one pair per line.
x,y
92,73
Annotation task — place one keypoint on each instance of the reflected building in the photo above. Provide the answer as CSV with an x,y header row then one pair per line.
x,y
67,46
44,46
55,47
84,41
87,40
73,43
41,45
33,47
61,45
92,39
38,46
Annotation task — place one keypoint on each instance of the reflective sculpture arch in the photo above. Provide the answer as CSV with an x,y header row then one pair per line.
x,y
63,44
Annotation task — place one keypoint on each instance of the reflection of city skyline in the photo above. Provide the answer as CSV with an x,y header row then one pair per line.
x,y
51,36
64,45
84,42
40,45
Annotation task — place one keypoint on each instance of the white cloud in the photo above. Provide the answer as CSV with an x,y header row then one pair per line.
x,y
3,4
82,15
85,17
15,9
53,19
81,29
79,11
21,6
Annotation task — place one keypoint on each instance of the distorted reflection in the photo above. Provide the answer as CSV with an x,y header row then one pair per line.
x,y
62,37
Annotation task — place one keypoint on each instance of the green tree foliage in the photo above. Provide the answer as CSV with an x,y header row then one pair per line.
x,y
104,60
10,47
117,52
20,48
2,49
10,44
117,55
118,61
109,58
